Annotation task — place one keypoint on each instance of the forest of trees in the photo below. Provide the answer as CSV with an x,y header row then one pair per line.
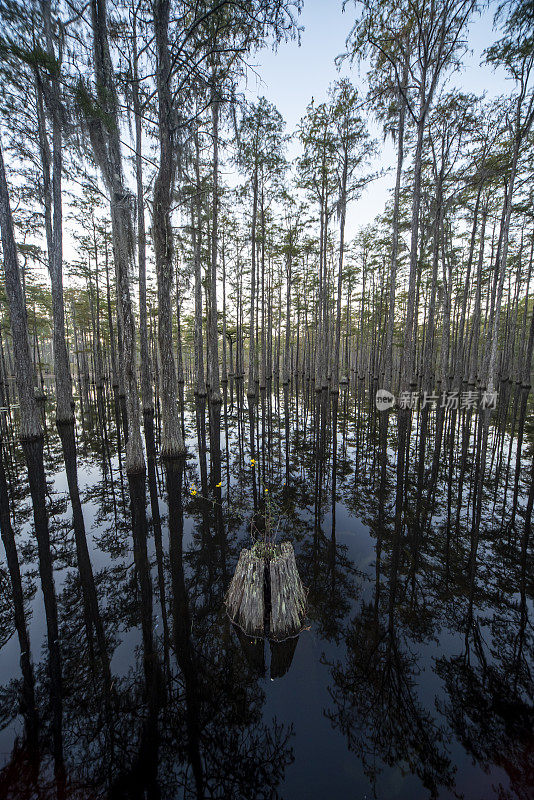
x,y
142,271
159,244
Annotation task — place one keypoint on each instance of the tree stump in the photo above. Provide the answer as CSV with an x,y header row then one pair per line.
x,y
288,598
267,578
244,599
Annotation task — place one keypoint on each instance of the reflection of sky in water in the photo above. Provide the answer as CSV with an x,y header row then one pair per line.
x,y
424,635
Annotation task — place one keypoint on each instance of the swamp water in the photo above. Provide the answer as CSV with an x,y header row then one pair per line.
x,y
413,679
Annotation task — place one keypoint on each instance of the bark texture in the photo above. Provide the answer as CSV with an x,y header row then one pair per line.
x,y
172,444
105,141
30,423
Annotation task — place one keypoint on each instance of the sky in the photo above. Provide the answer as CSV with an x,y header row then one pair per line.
x,y
295,73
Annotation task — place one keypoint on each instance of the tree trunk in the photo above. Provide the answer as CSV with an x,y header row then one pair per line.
x,y
251,391
30,423
31,434
215,388
409,339
224,334
105,141
489,367
388,359
200,382
287,359
146,368
343,212
172,444
63,380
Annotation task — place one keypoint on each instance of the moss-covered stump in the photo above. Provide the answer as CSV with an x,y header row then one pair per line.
x,y
244,599
288,598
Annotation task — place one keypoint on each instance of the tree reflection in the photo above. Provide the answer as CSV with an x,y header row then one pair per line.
x,y
161,697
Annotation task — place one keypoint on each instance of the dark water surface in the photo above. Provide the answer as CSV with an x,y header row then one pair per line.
x,y
414,679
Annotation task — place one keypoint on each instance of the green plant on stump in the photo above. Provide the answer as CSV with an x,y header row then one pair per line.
x,y
265,523
268,551
264,535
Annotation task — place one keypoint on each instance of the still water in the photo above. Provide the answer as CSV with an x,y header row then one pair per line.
x,y
412,679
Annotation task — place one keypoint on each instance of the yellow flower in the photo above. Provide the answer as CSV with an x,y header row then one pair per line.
x,y
253,461
218,485
266,491
193,490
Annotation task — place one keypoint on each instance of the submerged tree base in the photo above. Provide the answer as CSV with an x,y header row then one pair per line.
x,y
267,579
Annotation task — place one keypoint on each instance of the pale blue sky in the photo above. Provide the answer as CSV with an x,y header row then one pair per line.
x,y
294,74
